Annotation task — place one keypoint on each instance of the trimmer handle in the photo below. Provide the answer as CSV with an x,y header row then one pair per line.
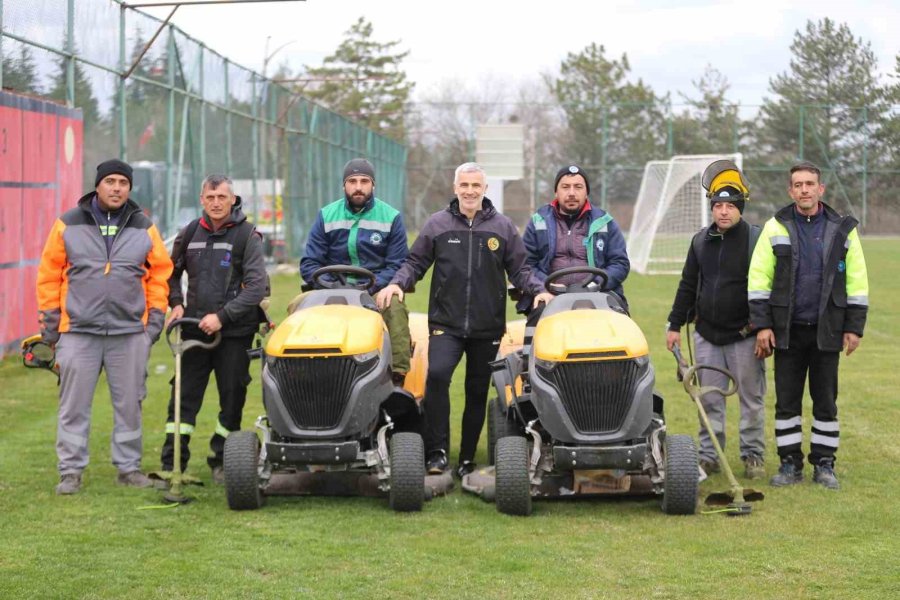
x,y
686,374
185,345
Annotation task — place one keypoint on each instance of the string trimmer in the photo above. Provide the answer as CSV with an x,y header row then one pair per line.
x,y
737,499
179,347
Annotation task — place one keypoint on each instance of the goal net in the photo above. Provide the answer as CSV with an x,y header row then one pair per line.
x,y
671,207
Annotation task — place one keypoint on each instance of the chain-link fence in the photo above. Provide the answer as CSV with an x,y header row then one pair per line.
x,y
183,111
852,145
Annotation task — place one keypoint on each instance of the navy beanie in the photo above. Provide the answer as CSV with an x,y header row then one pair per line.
x,y
728,193
113,166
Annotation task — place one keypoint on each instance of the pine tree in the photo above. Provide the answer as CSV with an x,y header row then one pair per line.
x,y
824,109
598,100
363,81
709,124
19,72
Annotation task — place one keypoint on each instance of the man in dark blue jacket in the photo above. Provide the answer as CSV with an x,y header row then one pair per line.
x,y
570,232
363,231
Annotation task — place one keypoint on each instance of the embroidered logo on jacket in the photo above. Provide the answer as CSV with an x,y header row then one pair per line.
x,y
454,240
226,260
375,238
600,245
493,244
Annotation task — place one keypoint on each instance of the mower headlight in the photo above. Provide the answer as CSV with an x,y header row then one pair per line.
x,y
547,365
366,356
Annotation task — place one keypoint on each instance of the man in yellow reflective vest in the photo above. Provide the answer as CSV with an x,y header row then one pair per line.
x,y
809,296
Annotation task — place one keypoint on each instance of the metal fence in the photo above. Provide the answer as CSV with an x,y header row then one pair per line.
x,y
185,111
860,165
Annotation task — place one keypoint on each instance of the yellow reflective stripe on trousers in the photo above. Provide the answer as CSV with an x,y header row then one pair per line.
x,y
186,428
220,430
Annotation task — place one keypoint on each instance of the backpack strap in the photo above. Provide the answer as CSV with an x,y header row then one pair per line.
x,y
752,238
188,234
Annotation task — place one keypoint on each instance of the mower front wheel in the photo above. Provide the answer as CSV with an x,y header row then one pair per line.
x,y
407,457
500,425
513,485
681,488
241,461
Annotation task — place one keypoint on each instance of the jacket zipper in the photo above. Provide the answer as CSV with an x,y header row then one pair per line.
x,y
122,222
469,279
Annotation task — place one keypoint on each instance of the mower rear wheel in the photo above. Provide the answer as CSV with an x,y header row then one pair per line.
x,y
500,425
407,472
513,487
241,461
681,487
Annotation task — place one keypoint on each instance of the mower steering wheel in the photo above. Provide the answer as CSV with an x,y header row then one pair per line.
x,y
186,345
591,273
341,273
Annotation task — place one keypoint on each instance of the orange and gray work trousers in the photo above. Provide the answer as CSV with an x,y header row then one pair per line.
x,y
231,364
81,357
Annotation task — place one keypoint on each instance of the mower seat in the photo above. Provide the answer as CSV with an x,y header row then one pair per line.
x,y
339,296
585,301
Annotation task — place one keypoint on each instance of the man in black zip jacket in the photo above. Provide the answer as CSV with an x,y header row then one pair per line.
x,y
713,292
226,282
473,249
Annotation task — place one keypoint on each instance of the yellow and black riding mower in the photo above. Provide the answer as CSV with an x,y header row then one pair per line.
x,y
335,424
576,412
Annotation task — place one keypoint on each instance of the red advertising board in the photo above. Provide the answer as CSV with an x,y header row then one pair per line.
x,y
40,177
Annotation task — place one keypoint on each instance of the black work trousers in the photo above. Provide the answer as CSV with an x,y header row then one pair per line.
x,y
444,353
792,367
231,364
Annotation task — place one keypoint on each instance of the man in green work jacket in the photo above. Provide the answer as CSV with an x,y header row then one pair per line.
x,y
361,230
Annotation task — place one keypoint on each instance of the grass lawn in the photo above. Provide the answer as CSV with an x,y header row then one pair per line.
x,y
803,542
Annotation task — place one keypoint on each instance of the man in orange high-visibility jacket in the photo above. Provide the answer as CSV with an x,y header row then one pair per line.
x,y
102,296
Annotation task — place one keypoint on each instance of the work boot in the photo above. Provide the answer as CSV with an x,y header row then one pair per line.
x,y
788,474
218,475
754,467
69,483
437,463
823,474
709,466
464,468
134,479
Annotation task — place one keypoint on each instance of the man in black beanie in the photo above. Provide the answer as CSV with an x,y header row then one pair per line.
x,y
713,294
571,232
102,306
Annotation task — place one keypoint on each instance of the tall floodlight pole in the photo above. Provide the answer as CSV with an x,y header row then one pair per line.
x,y
267,56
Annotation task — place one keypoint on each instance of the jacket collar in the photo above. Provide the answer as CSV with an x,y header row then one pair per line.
x,y
559,213
487,208
130,206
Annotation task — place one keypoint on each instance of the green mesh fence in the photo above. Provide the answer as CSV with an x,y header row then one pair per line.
x,y
186,111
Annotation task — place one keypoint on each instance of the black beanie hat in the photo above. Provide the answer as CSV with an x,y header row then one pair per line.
x,y
728,193
359,166
572,170
113,166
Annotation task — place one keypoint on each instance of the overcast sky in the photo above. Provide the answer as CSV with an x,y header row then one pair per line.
x,y
668,43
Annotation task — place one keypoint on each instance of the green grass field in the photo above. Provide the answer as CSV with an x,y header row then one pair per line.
x,y
803,542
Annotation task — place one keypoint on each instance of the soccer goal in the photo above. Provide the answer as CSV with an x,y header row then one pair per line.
x,y
671,207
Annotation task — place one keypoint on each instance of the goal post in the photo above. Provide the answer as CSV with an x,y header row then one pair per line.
x,y
671,207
